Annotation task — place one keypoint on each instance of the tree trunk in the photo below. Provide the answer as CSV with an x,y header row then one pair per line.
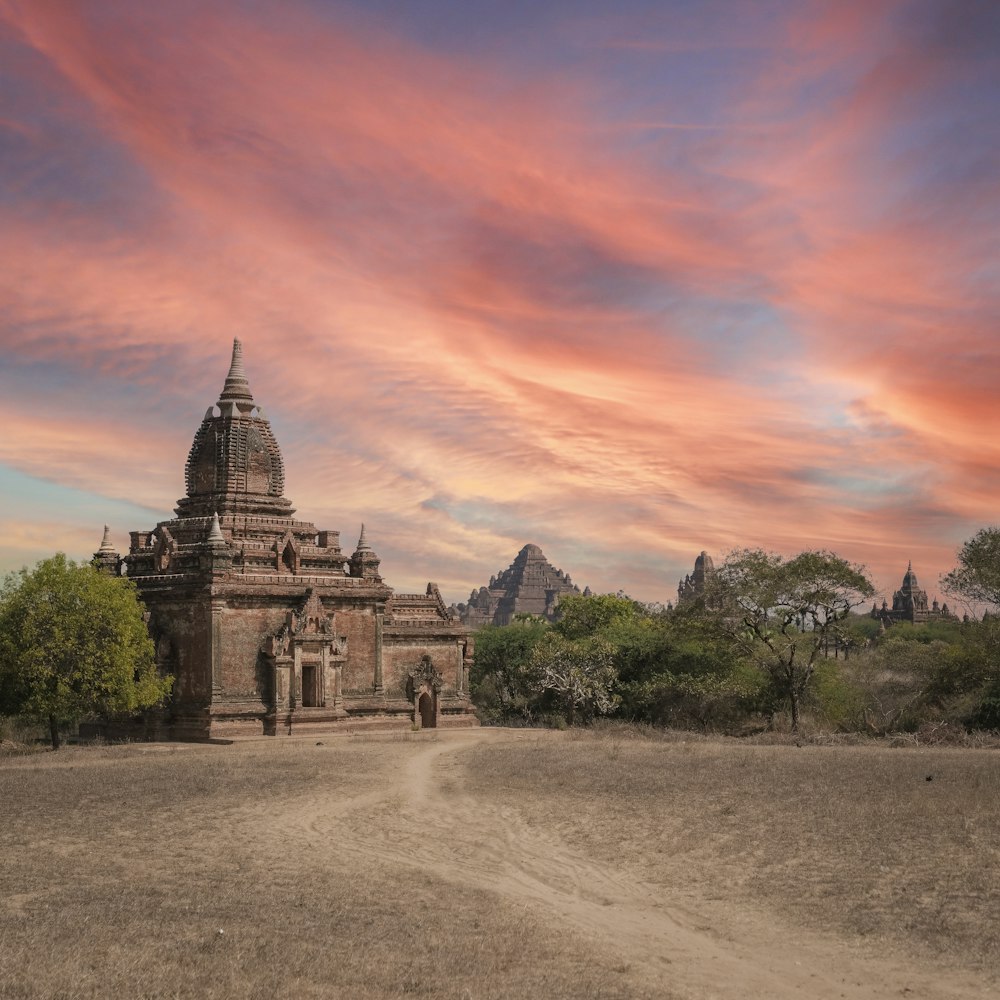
x,y
794,698
570,712
54,733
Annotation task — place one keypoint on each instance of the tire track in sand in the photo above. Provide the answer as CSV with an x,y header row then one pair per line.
x,y
423,819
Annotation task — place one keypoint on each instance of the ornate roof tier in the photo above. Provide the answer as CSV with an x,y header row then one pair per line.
x,y
235,465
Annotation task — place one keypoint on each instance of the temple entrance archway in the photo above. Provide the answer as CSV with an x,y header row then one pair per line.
x,y
423,683
310,686
425,706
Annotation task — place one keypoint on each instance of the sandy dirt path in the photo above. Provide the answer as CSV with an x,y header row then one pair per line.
x,y
424,819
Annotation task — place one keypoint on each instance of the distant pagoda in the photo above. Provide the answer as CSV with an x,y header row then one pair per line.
x,y
531,585
909,604
693,585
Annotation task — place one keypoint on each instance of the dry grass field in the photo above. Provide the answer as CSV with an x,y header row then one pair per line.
x,y
499,864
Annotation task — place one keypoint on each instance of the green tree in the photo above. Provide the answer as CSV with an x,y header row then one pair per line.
x,y
782,613
580,616
504,682
968,683
965,688
73,643
977,577
579,673
672,672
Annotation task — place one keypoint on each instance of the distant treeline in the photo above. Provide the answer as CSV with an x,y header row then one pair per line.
x,y
770,642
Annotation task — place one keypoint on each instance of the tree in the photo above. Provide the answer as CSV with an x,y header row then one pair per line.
x,y
969,681
672,672
73,643
892,681
783,612
977,577
578,672
504,682
581,616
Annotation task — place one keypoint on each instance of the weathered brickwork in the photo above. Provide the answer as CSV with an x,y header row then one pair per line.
x,y
267,625
531,585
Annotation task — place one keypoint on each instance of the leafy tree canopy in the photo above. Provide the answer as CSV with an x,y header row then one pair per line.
x,y
581,616
580,673
73,643
783,611
503,679
977,576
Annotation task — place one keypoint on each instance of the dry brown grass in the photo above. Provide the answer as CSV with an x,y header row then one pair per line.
x,y
472,866
120,866
899,846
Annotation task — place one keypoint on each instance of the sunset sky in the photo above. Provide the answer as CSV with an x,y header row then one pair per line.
x,y
627,280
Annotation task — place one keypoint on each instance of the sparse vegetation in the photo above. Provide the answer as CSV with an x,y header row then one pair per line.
x,y
895,846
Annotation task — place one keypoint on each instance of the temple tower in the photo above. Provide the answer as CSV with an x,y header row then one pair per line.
x,y
531,585
264,621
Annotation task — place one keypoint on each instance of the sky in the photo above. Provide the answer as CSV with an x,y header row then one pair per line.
x,y
628,281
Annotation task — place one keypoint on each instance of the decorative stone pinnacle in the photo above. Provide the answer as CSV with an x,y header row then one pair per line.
x,y
362,541
237,385
215,536
106,544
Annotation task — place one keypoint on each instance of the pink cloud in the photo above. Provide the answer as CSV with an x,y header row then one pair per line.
x,y
460,307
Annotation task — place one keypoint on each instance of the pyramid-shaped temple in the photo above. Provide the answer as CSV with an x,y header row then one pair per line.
x,y
266,624
530,585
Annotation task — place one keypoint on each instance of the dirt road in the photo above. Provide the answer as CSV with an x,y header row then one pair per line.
x,y
426,820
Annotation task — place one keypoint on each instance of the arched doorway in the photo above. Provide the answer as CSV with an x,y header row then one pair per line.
x,y
428,717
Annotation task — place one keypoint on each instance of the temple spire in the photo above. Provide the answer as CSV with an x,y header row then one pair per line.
x,y
215,535
365,562
106,544
106,558
237,385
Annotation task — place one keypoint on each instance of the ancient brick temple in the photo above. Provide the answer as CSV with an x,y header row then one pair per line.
x,y
267,625
531,585
909,604
693,585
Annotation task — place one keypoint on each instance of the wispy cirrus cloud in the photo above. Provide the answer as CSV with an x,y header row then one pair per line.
x,y
487,300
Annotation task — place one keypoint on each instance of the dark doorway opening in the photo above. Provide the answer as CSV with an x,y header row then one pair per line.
x,y
310,694
426,707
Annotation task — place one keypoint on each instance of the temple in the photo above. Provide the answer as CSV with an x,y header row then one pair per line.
x,y
266,623
909,604
693,585
531,585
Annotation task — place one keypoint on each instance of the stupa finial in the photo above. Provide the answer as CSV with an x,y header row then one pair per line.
x,y
364,562
215,535
362,541
106,544
237,385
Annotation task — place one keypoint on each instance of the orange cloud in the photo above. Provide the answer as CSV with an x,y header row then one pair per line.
x,y
479,316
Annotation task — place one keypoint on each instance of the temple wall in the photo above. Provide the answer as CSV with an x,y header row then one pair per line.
x,y
188,630
359,627
244,630
400,656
